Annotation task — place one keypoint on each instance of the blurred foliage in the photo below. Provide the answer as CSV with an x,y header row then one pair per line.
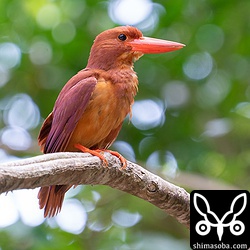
x,y
201,92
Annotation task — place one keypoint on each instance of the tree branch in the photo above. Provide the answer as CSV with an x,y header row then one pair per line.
x,y
79,168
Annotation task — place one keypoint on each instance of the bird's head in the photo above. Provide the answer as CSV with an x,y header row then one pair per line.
x,y
123,45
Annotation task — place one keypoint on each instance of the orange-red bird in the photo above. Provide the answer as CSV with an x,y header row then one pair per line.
x,y
89,111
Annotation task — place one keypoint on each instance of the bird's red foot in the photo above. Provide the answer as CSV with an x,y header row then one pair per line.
x,y
98,153
92,152
114,153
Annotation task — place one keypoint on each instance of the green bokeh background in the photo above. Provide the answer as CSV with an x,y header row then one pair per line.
x,y
207,134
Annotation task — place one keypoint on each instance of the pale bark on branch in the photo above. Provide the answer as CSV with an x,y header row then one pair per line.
x,y
79,168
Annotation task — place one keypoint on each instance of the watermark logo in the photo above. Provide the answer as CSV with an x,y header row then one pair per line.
x,y
220,219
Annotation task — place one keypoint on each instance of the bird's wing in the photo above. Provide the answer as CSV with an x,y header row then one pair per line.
x,y
69,107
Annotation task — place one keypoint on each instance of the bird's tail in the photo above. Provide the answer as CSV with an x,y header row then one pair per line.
x,y
51,199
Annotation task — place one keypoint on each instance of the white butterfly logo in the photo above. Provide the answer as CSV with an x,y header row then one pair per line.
x,y
203,227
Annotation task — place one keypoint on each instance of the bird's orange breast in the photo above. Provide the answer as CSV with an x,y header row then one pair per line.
x,y
109,105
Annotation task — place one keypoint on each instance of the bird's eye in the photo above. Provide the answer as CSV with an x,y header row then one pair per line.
x,y
122,37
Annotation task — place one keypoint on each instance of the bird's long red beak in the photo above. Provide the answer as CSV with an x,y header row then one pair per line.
x,y
148,45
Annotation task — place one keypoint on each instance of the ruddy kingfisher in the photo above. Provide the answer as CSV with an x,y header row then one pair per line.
x,y
90,109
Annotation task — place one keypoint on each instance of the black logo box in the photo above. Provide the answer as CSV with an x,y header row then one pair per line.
x,y
220,202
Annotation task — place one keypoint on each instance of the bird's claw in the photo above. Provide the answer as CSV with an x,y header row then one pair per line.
x,y
114,153
99,154
92,152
